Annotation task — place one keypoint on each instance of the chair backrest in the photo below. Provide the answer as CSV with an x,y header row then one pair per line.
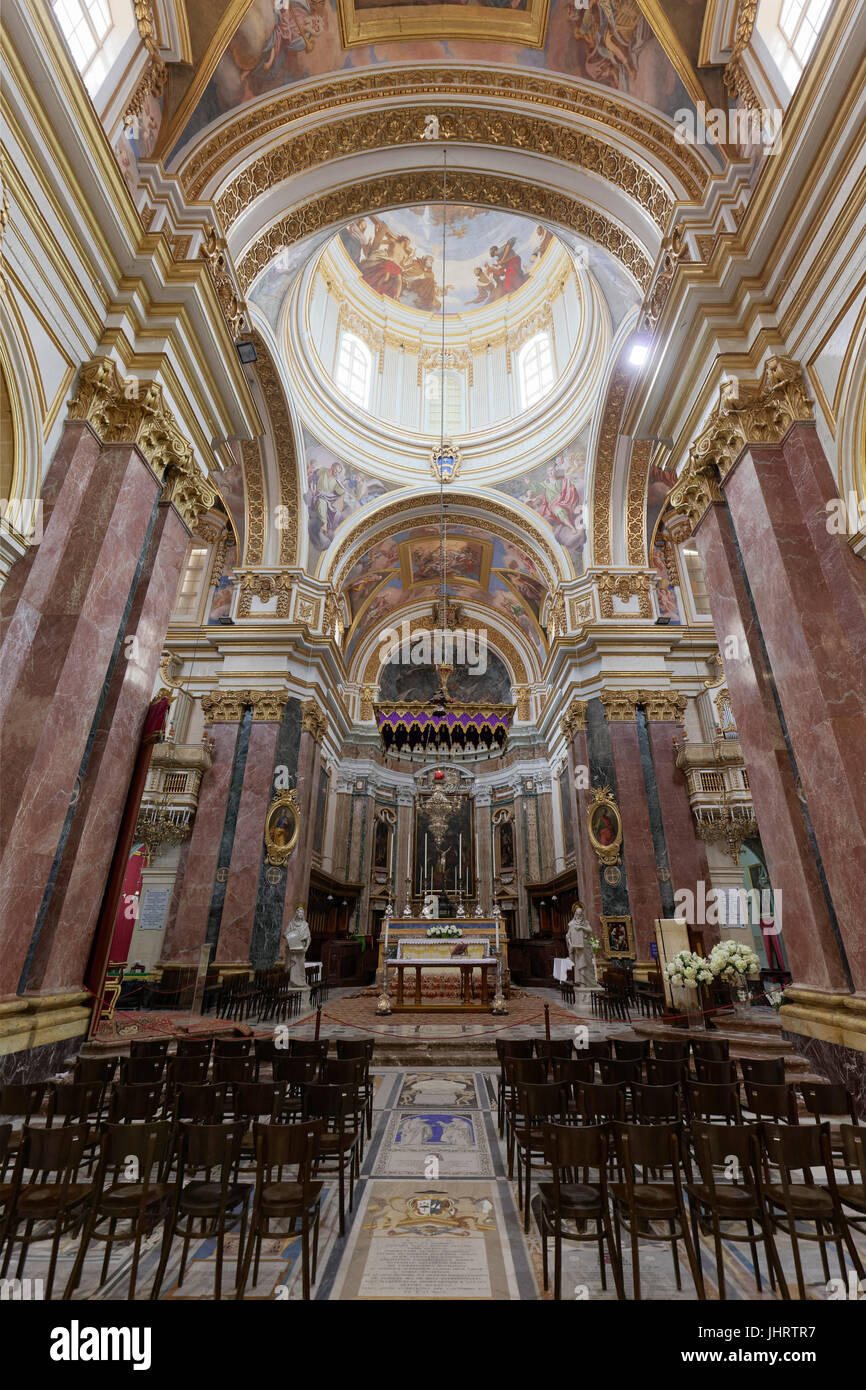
x,y
568,1148
186,1071
797,1149
611,1070
136,1071
602,1101
211,1147
231,1047
5,1136
295,1071
827,1098
148,1047
651,1103
134,1101
631,1049
853,1140
310,1047
266,1049
194,1047
665,1072
74,1101
145,1145
233,1069
647,1147
671,1050
349,1048
556,1047
709,1098
520,1071
256,1098
574,1070
330,1103
711,1049
716,1145
96,1069
597,1048
538,1101
772,1102
724,1071
22,1098
766,1071
51,1154
349,1071
205,1102
286,1146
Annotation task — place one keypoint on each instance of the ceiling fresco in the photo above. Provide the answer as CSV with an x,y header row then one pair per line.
x,y
489,255
609,42
556,491
334,491
404,569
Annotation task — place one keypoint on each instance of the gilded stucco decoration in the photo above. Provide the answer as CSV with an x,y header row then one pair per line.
x,y
252,125
227,706
254,485
322,144
127,411
574,718
425,186
283,438
602,477
611,585
314,720
619,705
635,505
663,706
735,77
747,413
153,79
264,586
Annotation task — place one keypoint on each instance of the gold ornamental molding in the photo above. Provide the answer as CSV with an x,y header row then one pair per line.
x,y
619,705
400,126
400,23
254,488
521,697
735,77
425,186
264,586
314,720
248,127
611,585
369,692
284,448
602,478
123,410
228,706
663,706
635,506
155,75
747,413
574,718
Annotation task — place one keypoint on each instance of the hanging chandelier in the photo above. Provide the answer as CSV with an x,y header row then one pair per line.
x,y
443,723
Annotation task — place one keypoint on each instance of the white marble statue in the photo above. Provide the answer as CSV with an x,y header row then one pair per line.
x,y
297,944
579,946
431,906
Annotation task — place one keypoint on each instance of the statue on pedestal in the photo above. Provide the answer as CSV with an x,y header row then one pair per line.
x,y
579,946
298,939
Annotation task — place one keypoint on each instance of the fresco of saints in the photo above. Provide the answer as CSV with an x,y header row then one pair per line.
x,y
612,32
385,261
325,499
295,30
558,499
506,268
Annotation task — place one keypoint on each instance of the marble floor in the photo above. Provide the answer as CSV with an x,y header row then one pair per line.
x,y
435,1217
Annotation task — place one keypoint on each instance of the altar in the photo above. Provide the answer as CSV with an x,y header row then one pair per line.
x,y
447,958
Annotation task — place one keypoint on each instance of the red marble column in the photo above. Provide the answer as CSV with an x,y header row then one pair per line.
x,y
67,934
637,841
300,863
687,854
239,907
585,859
809,939
185,938
809,595
56,654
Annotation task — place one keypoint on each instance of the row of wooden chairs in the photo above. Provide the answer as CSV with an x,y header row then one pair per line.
x,y
783,1181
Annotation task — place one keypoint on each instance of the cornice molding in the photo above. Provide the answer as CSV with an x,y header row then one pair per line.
x,y
127,411
747,413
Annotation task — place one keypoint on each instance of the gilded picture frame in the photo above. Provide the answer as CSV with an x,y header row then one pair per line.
x,y
604,825
282,827
617,938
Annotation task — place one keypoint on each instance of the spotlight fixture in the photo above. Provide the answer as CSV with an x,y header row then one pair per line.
x,y
639,354
247,352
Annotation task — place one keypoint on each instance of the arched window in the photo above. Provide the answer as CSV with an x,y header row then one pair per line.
x,y
189,589
453,402
354,369
790,29
535,369
85,25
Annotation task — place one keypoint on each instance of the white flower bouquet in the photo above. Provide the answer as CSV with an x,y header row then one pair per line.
x,y
734,962
688,970
447,929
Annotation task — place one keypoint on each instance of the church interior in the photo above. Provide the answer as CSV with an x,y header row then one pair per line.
x,y
433,622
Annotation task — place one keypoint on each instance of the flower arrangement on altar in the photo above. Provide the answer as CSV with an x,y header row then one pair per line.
x,y
447,929
734,962
689,970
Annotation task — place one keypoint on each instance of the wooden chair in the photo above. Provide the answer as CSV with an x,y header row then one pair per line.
x,y
771,1102
224,1048
828,1101
616,1070
671,1050
557,1047
518,1071
266,1053
853,1192
508,1048
716,1073
791,1206
596,1047
296,1073
536,1104
738,1200
78,1103
630,1049
714,1101
133,1102
664,1072
212,1201
184,1071
233,1070
148,1047
100,1070
352,1071
142,1071
309,1047
656,1104
340,1140
765,1071
640,1204
140,1200
281,1147
194,1047
50,1194
21,1100
568,1149
601,1103
711,1049
360,1049
254,1102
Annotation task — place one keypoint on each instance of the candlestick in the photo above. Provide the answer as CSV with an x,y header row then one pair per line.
x,y
425,858
460,854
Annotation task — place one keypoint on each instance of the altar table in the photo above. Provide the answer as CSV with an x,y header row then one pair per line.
x,y
465,964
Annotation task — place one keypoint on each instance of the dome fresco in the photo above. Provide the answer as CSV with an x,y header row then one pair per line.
x,y
489,255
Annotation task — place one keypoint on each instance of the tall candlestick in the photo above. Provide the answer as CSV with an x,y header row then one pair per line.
x,y
460,855
425,858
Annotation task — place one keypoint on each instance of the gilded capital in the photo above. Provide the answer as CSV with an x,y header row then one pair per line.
x,y
663,706
619,705
314,720
574,718
225,706
268,705
520,694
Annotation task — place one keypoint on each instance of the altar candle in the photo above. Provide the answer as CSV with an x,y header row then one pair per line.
x,y
460,854
425,858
